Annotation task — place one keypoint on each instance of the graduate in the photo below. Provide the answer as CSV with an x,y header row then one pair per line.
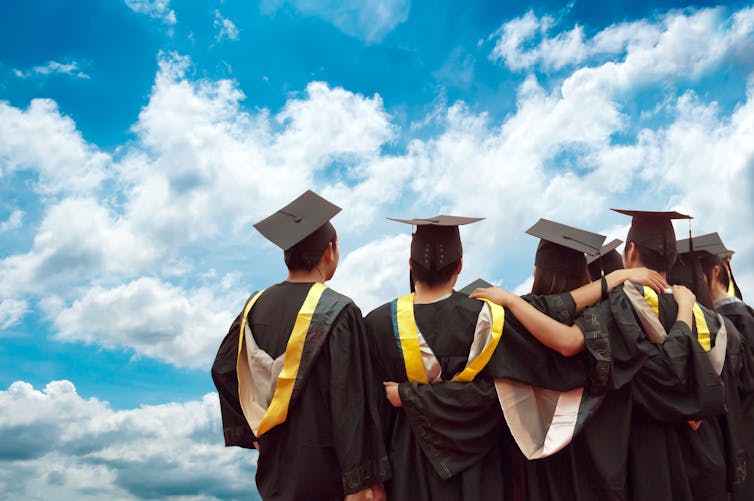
x,y
672,453
701,265
294,375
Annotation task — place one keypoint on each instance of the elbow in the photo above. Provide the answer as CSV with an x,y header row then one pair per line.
x,y
571,348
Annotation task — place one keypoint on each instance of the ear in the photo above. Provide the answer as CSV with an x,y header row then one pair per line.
x,y
329,254
715,273
460,266
410,264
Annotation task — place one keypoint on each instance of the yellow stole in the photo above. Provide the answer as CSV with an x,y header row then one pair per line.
x,y
407,334
702,330
277,411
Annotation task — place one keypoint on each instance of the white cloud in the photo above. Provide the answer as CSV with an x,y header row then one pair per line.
x,y
77,241
375,273
227,30
56,444
14,221
677,45
40,138
53,68
157,9
11,312
369,20
152,318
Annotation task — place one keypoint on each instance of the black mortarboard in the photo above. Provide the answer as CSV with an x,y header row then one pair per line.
x,y
297,220
653,230
607,261
436,242
710,242
605,250
563,247
479,283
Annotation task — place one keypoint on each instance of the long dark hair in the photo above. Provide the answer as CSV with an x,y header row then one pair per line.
x,y
548,282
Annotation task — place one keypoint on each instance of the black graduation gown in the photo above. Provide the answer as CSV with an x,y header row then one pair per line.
x,y
742,317
667,459
331,442
475,472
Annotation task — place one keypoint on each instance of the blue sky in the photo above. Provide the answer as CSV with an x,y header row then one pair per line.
x,y
140,139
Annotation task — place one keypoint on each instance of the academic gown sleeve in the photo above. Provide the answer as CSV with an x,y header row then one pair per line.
x,y
677,381
235,427
521,357
456,424
358,438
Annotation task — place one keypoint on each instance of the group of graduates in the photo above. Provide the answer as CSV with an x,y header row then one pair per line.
x,y
604,383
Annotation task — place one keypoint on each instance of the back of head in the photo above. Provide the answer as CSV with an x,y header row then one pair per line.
x,y
436,252
558,269
688,271
653,236
305,255
608,263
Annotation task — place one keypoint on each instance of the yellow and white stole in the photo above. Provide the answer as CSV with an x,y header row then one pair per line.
x,y
421,364
265,385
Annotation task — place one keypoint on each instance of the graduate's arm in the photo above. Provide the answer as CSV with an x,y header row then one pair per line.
x,y
456,424
566,340
591,293
357,434
677,382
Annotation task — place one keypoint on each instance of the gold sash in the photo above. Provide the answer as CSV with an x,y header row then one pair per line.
x,y
408,335
277,410
702,330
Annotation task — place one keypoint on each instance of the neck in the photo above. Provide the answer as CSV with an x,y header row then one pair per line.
x,y
426,294
313,275
718,292
663,274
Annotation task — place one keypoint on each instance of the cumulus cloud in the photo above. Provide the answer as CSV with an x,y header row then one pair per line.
x,y
14,221
678,44
369,20
226,29
56,444
78,240
157,9
11,312
42,139
151,317
53,68
376,272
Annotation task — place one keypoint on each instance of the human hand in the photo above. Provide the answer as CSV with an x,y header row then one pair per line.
x,y
643,276
683,296
362,495
494,294
391,391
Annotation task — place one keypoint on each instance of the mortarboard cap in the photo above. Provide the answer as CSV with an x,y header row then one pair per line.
x,y
653,230
563,247
711,243
479,283
297,220
436,242
605,250
607,261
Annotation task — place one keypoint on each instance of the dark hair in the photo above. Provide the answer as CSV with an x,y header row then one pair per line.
x,y
305,255
548,282
708,262
653,259
687,271
433,278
